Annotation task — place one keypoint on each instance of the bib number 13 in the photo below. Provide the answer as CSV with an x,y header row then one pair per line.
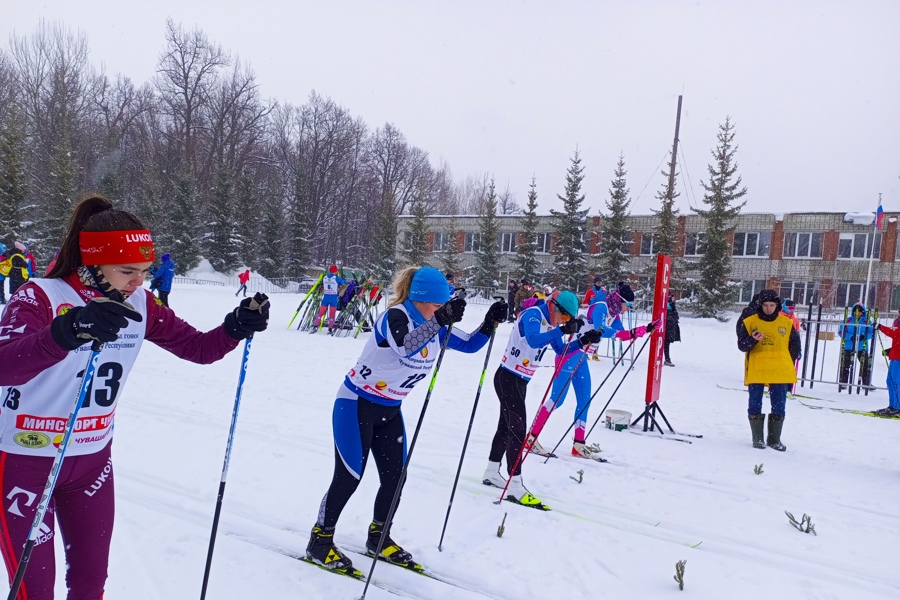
x,y
111,373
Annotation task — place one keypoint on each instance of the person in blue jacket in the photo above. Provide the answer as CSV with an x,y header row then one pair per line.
x,y
330,285
856,334
161,278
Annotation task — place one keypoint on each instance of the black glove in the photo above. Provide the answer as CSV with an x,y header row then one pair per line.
x,y
572,326
451,312
590,337
251,315
100,320
652,325
497,313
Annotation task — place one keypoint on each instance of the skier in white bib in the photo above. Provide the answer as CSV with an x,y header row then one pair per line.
x,y
92,294
399,355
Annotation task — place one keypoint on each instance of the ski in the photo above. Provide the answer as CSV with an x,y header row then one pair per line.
x,y
789,395
863,413
352,574
667,436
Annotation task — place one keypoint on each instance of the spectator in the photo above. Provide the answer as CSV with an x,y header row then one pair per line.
x,y
243,278
16,268
893,376
3,272
162,277
856,333
450,284
511,291
771,346
673,329
525,291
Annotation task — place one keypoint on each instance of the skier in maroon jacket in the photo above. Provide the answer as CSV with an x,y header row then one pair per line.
x,y
93,293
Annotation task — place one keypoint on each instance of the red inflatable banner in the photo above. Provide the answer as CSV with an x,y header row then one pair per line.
x,y
657,341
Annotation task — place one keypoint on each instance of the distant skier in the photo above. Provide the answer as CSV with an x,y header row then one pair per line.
x,y
893,376
243,278
161,278
330,285
367,413
596,293
856,334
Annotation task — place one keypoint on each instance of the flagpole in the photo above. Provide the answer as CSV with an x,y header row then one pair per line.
x,y
871,255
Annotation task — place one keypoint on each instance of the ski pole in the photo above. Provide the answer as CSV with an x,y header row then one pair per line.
x,y
54,472
466,441
585,407
523,452
412,445
644,345
228,446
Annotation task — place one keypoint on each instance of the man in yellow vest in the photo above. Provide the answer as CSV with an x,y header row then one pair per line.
x,y
772,345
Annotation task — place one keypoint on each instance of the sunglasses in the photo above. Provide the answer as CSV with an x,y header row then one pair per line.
x,y
566,315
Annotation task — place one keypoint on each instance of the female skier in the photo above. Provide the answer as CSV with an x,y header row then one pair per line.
x,y
330,285
367,412
538,325
93,293
576,371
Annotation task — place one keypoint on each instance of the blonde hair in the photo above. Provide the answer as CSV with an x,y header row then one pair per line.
x,y
401,284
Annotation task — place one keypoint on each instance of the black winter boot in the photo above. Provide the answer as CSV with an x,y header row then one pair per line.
x,y
322,551
390,551
776,422
756,428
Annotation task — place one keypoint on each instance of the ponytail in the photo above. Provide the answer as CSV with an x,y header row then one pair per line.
x,y
93,213
401,284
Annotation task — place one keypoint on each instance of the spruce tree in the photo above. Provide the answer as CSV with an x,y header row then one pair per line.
x,y
723,192
271,262
487,255
570,267
183,225
384,242
526,262
615,245
415,251
247,222
298,246
667,227
450,258
13,186
220,245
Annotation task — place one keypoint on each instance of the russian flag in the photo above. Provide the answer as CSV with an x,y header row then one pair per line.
x,y
879,216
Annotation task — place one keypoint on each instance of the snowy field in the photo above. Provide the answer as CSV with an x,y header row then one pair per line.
x,y
616,535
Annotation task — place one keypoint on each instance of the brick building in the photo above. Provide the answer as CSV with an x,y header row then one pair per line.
x,y
810,257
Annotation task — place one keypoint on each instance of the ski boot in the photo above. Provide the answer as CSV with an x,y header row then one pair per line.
x,y
322,551
669,363
776,422
492,476
581,450
536,447
756,428
390,551
517,494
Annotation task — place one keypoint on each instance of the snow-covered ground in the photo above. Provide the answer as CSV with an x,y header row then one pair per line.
x,y
618,534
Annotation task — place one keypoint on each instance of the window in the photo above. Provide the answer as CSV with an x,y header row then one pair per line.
x,y
750,289
405,238
895,298
858,245
695,244
542,241
752,244
803,245
849,294
508,243
801,292
441,241
647,244
473,242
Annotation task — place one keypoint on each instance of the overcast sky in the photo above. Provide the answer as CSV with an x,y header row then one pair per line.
x,y
512,88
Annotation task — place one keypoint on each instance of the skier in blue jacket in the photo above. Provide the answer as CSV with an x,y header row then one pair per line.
x,y
330,285
856,334
161,278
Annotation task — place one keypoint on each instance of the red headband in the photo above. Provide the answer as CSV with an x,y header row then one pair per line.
x,y
115,247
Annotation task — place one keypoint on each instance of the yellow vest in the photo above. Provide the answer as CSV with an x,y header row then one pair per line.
x,y
770,360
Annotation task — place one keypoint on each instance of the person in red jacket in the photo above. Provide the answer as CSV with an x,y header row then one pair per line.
x,y
93,294
893,376
243,278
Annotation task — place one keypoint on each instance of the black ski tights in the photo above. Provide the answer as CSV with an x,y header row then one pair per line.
x,y
510,436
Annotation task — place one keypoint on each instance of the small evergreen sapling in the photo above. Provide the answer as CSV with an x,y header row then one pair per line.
x,y
679,573
580,476
758,469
